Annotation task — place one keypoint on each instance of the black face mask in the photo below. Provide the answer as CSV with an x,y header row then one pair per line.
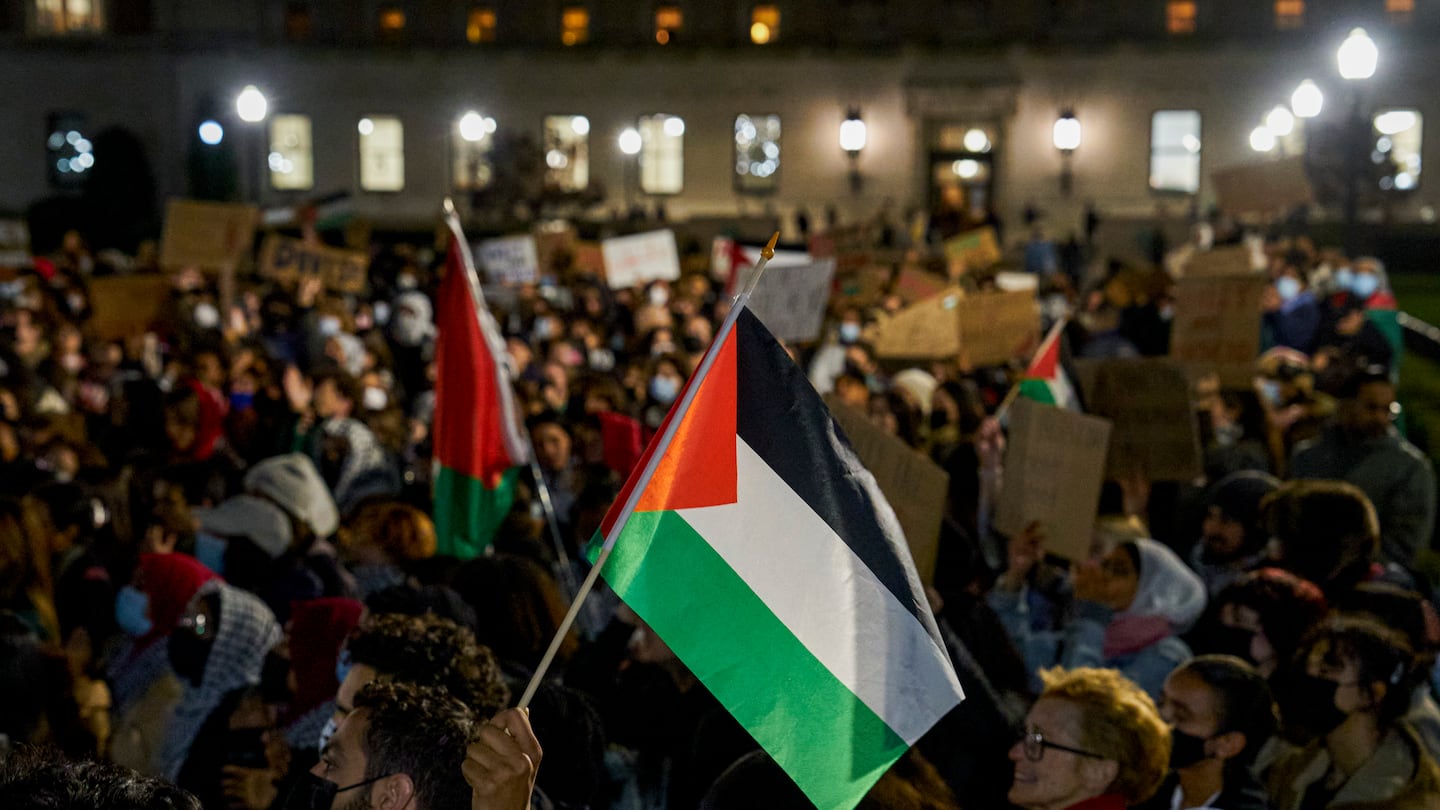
x,y
317,793
1307,706
1186,749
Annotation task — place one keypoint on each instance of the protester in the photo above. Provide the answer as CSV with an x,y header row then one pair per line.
x,y
1233,539
1261,618
34,778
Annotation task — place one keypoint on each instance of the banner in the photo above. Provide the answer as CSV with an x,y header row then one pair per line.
x,y
1148,403
997,327
509,259
125,306
633,260
977,250
207,235
925,330
914,485
1054,469
285,259
791,299
1217,322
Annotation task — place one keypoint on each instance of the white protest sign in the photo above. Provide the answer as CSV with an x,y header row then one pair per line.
x,y
790,299
632,260
509,259
782,258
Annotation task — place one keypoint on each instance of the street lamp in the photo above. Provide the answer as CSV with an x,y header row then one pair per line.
x,y
1262,139
252,107
630,144
853,137
1357,58
1307,100
1066,137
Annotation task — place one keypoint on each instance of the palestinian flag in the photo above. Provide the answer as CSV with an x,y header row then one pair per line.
x,y
1045,380
762,552
477,439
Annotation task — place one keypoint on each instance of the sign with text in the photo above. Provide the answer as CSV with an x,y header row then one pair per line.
x,y
207,235
997,327
1054,469
1217,321
974,250
509,259
126,306
632,260
915,284
1231,260
1154,430
285,259
14,243
914,485
743,271
791,299
1271,187
925,330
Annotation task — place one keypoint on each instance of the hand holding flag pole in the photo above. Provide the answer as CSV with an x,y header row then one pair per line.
x,y
677,416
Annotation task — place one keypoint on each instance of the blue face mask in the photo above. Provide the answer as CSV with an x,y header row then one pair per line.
x,y
1365,285
664,389
849,333
132,608
1344,278
343,665
241,401
210,551
1288,288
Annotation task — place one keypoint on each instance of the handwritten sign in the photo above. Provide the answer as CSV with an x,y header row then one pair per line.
x,y
791,299
14,244
1217,320
925,330
1054,469
997,327
1233,260
632,260
285,259
1270,187
915,284
974,250
207,235
126,306
1148,402
509,259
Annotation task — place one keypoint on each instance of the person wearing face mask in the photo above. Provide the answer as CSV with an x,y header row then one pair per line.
x,y
1369,285
317,632
1260,618
1220,712
1350,685
1292,314
830,359
666,383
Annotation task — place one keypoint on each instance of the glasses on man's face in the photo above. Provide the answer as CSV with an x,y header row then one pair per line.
x,y
1035,744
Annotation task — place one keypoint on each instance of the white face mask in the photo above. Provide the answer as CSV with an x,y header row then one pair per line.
x,y
374,399
206,316
659,296
329,325
382,313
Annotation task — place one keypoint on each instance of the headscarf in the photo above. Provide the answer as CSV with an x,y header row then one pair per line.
x,y
1168,600
171,582
211,425
364,457
318,629
414,319
247,632
256,519
292,482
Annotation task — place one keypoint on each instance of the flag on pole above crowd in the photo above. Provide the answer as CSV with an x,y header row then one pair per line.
x,y
1045,379
478,444
763,553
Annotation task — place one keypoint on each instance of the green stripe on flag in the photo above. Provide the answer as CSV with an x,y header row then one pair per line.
x,y
1038,390
467,514
832,744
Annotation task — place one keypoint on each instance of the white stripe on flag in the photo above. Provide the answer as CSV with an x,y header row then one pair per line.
x,y
806,574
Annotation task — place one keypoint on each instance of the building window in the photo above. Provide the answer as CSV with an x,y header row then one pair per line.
x,y
1175,151
1398,138
298,24
391,24
1289,14
567,152
575,25
1400,11
480,26
69,154
668,22
1180,16
292,157
764,24
662,154
474,139
757,153
382,154
59,17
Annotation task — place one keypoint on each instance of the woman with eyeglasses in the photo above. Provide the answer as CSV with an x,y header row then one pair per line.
x,y
1093,741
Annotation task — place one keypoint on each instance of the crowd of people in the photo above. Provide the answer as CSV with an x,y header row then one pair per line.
x,y
220,584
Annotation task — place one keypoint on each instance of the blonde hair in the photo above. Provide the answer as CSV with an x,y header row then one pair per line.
x,y
1119,722
1112,531
402,531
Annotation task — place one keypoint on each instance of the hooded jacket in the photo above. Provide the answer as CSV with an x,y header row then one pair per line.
x,y
1400,775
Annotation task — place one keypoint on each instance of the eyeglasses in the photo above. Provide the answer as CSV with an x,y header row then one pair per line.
x,y
1035,745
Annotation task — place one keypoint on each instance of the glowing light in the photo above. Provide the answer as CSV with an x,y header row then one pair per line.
x,y
630,141
251,105
1394,122
853,134
580,125
976,140
1066,134
366,126
472,126
1307,100
759,33
211,133
966,169
1262,139
556,159
87,160
1280,121
1358,55
674,126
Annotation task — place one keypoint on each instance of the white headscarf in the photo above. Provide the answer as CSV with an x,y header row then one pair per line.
x,y
1167,588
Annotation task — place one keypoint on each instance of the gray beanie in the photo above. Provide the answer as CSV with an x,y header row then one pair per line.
x,y
292,483
255,519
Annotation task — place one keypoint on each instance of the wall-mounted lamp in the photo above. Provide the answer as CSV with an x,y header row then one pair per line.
x,y
1066,137
852,140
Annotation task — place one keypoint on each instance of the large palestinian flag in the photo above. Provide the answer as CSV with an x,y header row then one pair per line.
x,y
477,431
764,555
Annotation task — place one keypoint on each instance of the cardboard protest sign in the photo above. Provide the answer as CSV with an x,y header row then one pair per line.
x,y
207,235
589,258
791,299
554,245
632,260
1054,469
125,306
285,259
1154,430
914,485
864,286
915,284
14,244
977,249
925,330
997,327
509,259
1232,260
1217,321
1270,187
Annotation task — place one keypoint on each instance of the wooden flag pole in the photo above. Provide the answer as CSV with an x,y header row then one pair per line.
x,y
677,416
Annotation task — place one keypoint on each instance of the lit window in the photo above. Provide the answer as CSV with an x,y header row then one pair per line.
x,y
1289,14
392,23
662,154
292,158
69,154
480,26
474,138
668,22
567,152
1180,16
574,25
69,17
297,22
382,154
764,24
1175,151
1398,137
1400,11
757,153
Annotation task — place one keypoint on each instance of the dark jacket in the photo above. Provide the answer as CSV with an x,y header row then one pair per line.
x,y
1242,791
